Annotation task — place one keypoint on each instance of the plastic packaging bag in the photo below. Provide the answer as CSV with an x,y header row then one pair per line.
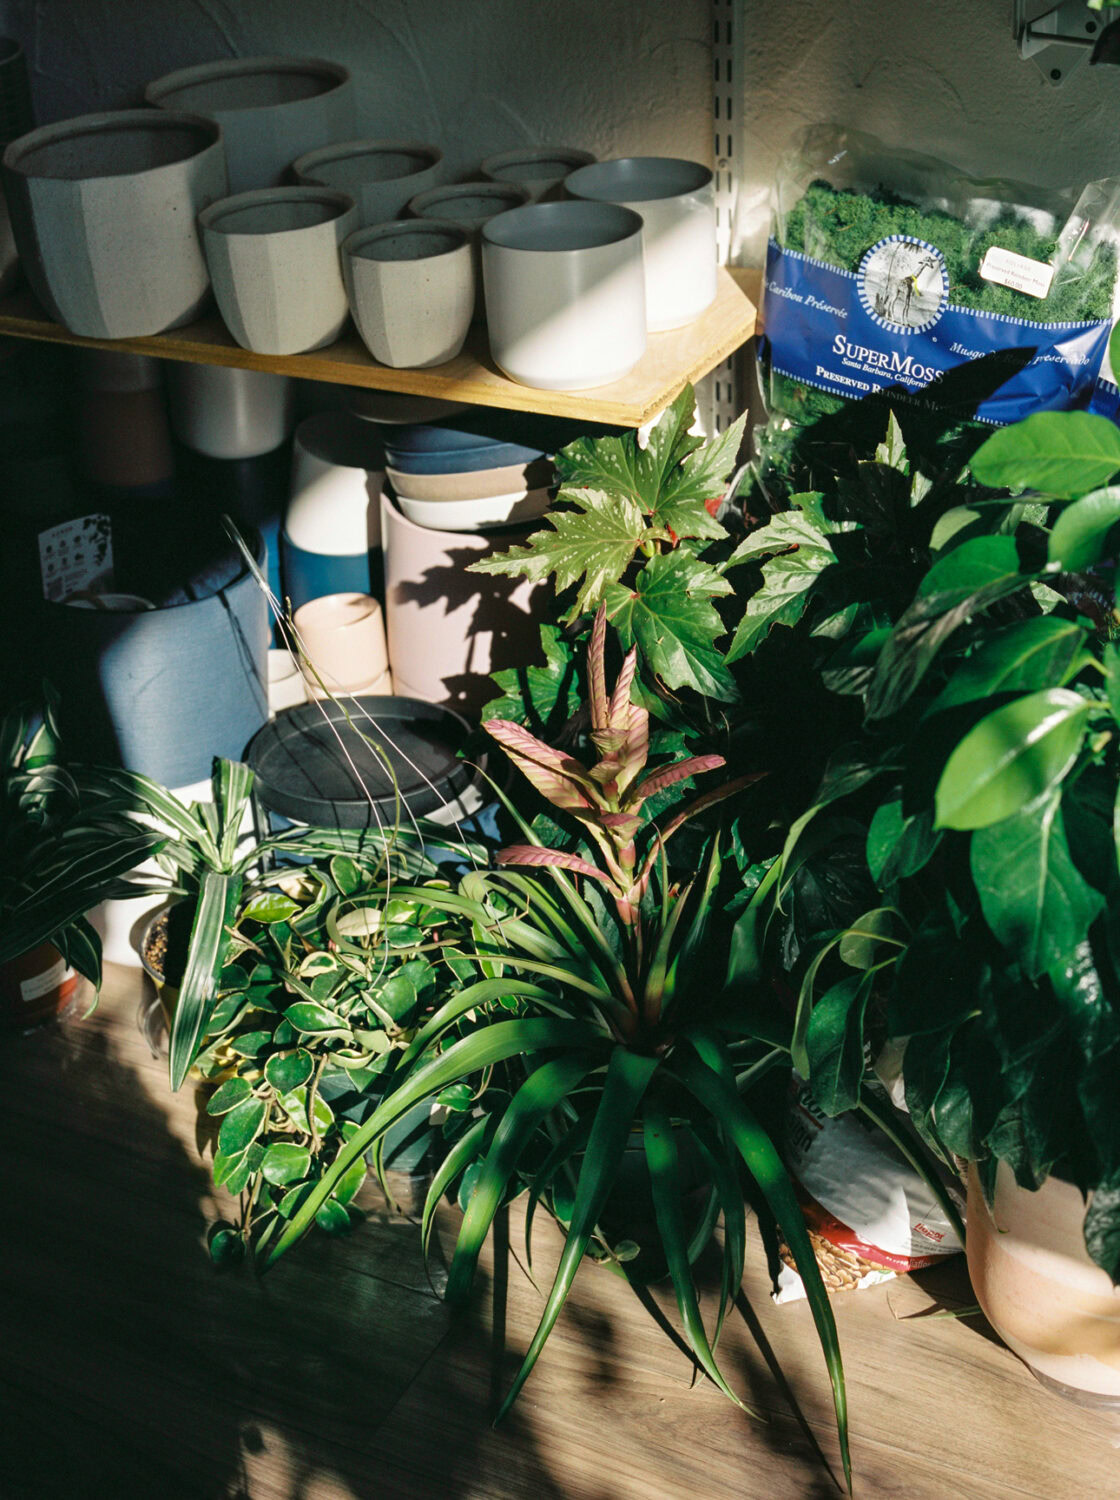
x,y
869,1214
887,271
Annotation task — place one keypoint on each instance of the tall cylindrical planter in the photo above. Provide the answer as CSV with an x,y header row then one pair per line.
x,y
271,109
448,629
104,208
1052,1305
676,200
226,413
162,691
331,542
565,293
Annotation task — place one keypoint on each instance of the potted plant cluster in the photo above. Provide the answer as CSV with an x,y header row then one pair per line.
x,y
68,835
826,783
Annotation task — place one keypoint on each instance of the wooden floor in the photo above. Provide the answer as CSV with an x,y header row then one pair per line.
x,y
130,1368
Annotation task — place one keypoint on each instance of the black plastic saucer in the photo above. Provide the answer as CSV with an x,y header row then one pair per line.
x,y
315,765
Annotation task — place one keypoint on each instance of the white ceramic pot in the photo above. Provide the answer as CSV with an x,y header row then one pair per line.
x,y
331,543
412,290
104,209
1052,1305
381,176
473,484
676,200
484,514
381,686
271,110
449,629
286,687
540,170
275,263
471,205
227,413
565,294
343,636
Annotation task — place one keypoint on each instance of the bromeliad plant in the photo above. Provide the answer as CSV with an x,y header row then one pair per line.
x,y
592,1020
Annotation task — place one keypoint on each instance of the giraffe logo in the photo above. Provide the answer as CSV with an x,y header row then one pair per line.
x,y
903,284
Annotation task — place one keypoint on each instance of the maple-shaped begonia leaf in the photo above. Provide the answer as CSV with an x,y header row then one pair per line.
x,y
797,543
671,479
591,544
669,616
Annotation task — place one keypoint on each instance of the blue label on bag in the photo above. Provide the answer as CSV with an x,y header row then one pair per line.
x,y
891,325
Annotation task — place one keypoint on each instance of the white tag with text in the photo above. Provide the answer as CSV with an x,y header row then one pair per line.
x,y
1018,272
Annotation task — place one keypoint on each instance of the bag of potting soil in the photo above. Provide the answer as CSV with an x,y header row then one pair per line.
x,y
888,272
869,1214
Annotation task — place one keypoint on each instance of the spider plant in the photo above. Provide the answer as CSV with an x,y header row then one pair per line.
x,y
611,1018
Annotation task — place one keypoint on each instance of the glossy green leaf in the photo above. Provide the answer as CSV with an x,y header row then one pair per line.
x,y
287,1070
333,1218
295,1106
544,1089
1082,530
959,585
591,544
1011,759
717,1094
1020,658
871,938
269,907
628,1077
835,1043
346,874
312,1018
217,902
1032,894
226,1246
482,1049
662,1157
898,846
669,616
241,1126
350,1183
1056,453
234,1091
284,1163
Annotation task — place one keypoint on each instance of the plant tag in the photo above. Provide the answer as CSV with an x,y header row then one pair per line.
x,y
75,556
1019,272
42,984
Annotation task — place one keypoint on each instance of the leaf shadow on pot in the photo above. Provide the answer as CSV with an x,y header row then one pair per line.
x,y
473,625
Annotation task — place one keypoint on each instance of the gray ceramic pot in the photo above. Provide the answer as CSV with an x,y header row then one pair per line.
x,y
271,110
104,207
275,263
412,290
381,176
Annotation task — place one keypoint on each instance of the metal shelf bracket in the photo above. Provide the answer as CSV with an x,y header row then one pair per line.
x,y
1059,40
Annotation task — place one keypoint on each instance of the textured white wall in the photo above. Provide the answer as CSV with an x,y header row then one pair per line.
x,y
618,77
944,77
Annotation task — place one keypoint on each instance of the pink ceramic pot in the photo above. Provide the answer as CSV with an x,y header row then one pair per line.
x,y
1051,1305
449,629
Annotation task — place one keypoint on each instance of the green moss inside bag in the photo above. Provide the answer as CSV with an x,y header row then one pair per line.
x,y
888,271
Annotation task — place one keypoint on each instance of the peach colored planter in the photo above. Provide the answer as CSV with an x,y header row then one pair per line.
x,y
1051,1305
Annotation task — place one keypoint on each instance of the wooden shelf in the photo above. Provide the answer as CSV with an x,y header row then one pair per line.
x,y
670,362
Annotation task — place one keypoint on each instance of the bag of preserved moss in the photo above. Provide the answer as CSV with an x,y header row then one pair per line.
x,y
887,271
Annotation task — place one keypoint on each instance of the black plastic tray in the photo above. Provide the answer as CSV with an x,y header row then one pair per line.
x,y
314,766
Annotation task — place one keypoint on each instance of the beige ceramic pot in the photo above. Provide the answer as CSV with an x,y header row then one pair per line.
x,y
1051,1305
